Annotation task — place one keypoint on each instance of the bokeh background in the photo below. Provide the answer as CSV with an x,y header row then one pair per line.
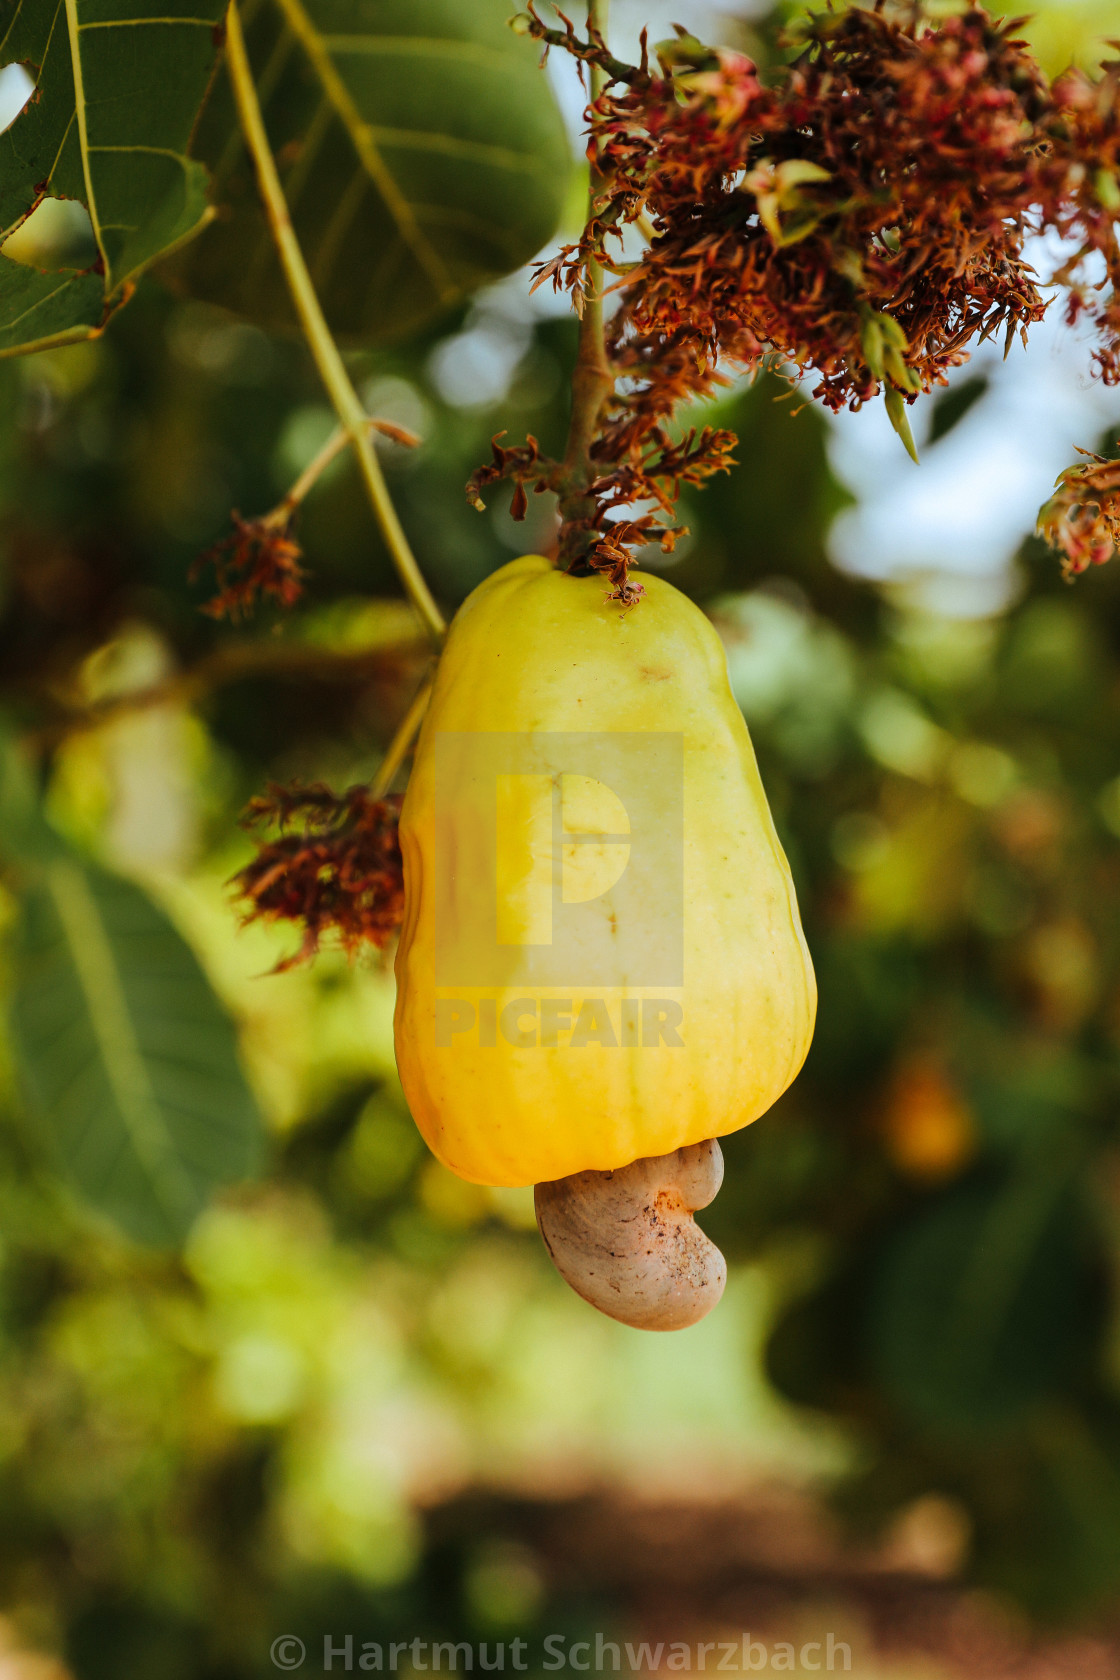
x,y
359,1400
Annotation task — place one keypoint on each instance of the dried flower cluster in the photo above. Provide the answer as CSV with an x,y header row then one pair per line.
x,y
522,465
1082,518
593,538
858,224
335,865
259,557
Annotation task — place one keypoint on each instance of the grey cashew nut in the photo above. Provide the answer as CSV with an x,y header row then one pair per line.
x,y
627,1242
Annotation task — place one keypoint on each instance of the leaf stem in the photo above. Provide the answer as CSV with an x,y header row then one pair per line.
x,y
324,350
397,750
592,376
314,470
615,69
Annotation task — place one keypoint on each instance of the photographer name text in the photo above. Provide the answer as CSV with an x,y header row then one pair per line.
x,y
345,1653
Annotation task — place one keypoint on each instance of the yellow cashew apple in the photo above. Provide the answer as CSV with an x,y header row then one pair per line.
x,y
601,957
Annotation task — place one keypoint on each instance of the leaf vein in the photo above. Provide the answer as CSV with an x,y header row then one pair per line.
x,y
39,303
414,139
132,23
83,137
421,46
102,987
362,140
156,151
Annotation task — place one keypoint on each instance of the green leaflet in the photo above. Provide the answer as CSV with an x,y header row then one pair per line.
x,y
138,83
39,309
117,96
421,152
127,1060
40,150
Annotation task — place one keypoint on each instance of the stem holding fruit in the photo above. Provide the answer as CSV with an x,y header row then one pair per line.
x,y
592,376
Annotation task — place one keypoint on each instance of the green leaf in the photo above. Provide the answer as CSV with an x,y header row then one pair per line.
x,y
38,152
421,152
139,82
40,309
125,1055
117,96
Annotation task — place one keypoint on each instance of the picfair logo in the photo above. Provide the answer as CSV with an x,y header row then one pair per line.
x,y
558,858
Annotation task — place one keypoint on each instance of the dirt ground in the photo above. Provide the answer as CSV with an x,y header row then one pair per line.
x,y
776,1568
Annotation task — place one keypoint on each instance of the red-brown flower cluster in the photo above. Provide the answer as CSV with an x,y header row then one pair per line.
x,y
859,223
863,220
1082,518
259,557
1080,194
335,866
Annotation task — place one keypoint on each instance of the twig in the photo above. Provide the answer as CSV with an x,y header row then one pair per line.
x,y
593,51
397,750
315,469
324,350
235,663
592,376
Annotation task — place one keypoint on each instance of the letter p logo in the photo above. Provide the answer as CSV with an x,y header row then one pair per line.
x,y
588,835
558,859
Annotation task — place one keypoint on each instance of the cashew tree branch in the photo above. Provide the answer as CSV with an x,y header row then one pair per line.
x,y
592,377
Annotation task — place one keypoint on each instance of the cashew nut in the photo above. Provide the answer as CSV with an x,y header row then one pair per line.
x,y
627,1242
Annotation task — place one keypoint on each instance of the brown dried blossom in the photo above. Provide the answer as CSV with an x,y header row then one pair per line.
x,y
334,867
1082,518
1081,195
523,464
259,557
858,224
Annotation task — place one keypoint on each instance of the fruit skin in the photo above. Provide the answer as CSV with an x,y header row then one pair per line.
x,y
533,649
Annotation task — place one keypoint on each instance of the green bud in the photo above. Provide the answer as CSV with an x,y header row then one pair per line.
x,y
900,420
1107,189
871,342
685,53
